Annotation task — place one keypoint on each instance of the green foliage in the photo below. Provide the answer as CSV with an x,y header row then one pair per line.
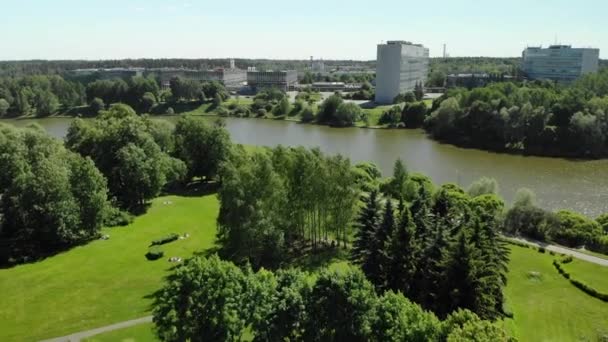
x,y
271,200
483,186
329,108
346,115
165,239
282,107
123,148
154,253
414,114
50,198
603,222
201,146
391,117
574,229
524,197
204,300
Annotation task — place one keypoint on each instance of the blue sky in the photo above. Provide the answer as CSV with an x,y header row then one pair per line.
x,y
93,29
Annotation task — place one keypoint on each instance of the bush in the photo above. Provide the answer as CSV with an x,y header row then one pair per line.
x,y
169,238
307,115
567,259
117,218
170,111
541,250
154,253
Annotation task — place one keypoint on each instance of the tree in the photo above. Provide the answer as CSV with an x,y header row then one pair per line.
x,y
51,198
217,100
148,100
4,106
346,115
365,231
405,251
381,254
328,109
201,146
205,300
341,307
398,319
123,149
397,185
97,105
419,91
413,114
483,186
282,108
461,278
287,308
524,197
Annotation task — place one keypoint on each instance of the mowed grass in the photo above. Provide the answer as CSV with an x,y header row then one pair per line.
x,y
593,275
548,307
103,282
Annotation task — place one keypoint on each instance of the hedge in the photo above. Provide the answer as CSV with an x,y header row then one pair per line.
x,y
169,238
581,285
154,253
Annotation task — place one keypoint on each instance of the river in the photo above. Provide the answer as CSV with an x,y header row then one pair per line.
x,y
558,183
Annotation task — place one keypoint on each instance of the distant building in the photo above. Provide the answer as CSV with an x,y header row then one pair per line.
x,y
400,66
228,77
560,63
317,66
474,80
283,80
109,73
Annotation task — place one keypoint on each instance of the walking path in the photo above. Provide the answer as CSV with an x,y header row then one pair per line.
x,y
562,250
88,333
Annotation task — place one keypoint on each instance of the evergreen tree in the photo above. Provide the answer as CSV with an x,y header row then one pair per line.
x,y
460,278
365,230
430,273
382,255
405,252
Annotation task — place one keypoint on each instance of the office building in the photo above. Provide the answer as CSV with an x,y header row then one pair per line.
x,y
560,63
284,80
228,77
400,65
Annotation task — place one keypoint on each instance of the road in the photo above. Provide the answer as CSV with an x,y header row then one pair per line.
x,y
88,333
563,250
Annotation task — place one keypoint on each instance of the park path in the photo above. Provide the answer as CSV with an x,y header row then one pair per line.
x,y
563,250
88,333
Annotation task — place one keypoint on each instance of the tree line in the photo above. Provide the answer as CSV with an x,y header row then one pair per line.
x,y
208,299
55,195
539,118
38,95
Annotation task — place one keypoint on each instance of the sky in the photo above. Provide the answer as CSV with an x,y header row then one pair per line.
x,y
328,29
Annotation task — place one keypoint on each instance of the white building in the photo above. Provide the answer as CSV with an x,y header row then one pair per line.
x,y
400,66
560,63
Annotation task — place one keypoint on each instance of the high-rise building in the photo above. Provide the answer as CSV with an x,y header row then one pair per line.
x,y
560,63
400,65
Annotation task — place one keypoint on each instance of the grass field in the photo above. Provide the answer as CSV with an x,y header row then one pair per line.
x,y
548,307
103,282
593,275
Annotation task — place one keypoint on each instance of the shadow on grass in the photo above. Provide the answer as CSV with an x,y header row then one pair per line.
x,y
193,189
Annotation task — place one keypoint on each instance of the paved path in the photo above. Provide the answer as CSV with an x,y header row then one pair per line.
x,y
563,250
84,334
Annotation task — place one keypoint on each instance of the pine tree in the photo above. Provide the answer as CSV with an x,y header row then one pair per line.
x,y
405,252
382,255
429,277
460,278
365,232
422,217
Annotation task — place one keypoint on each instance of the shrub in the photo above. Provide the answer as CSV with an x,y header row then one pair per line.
x,y
307,115
541,250
154,253
567,259
170,111
117,218
166,239
261,112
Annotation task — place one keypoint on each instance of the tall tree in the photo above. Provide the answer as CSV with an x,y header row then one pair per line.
x,y
405,251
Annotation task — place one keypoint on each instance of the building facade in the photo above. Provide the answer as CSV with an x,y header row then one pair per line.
x,y
400,66
560,63
228,77
283,80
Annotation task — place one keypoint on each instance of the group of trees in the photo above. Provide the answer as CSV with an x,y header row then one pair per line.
x,y
538,118
274,202
412,115
564,227
192,90
310,77
38,95
335,112
208,299
139,156
439,248
141,93
50,198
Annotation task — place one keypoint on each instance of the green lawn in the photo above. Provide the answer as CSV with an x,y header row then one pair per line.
x,y
103,282
138,333
548,307
593,275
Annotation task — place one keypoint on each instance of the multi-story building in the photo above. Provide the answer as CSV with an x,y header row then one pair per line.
x,y
400,66
560,63
228,77
283,80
